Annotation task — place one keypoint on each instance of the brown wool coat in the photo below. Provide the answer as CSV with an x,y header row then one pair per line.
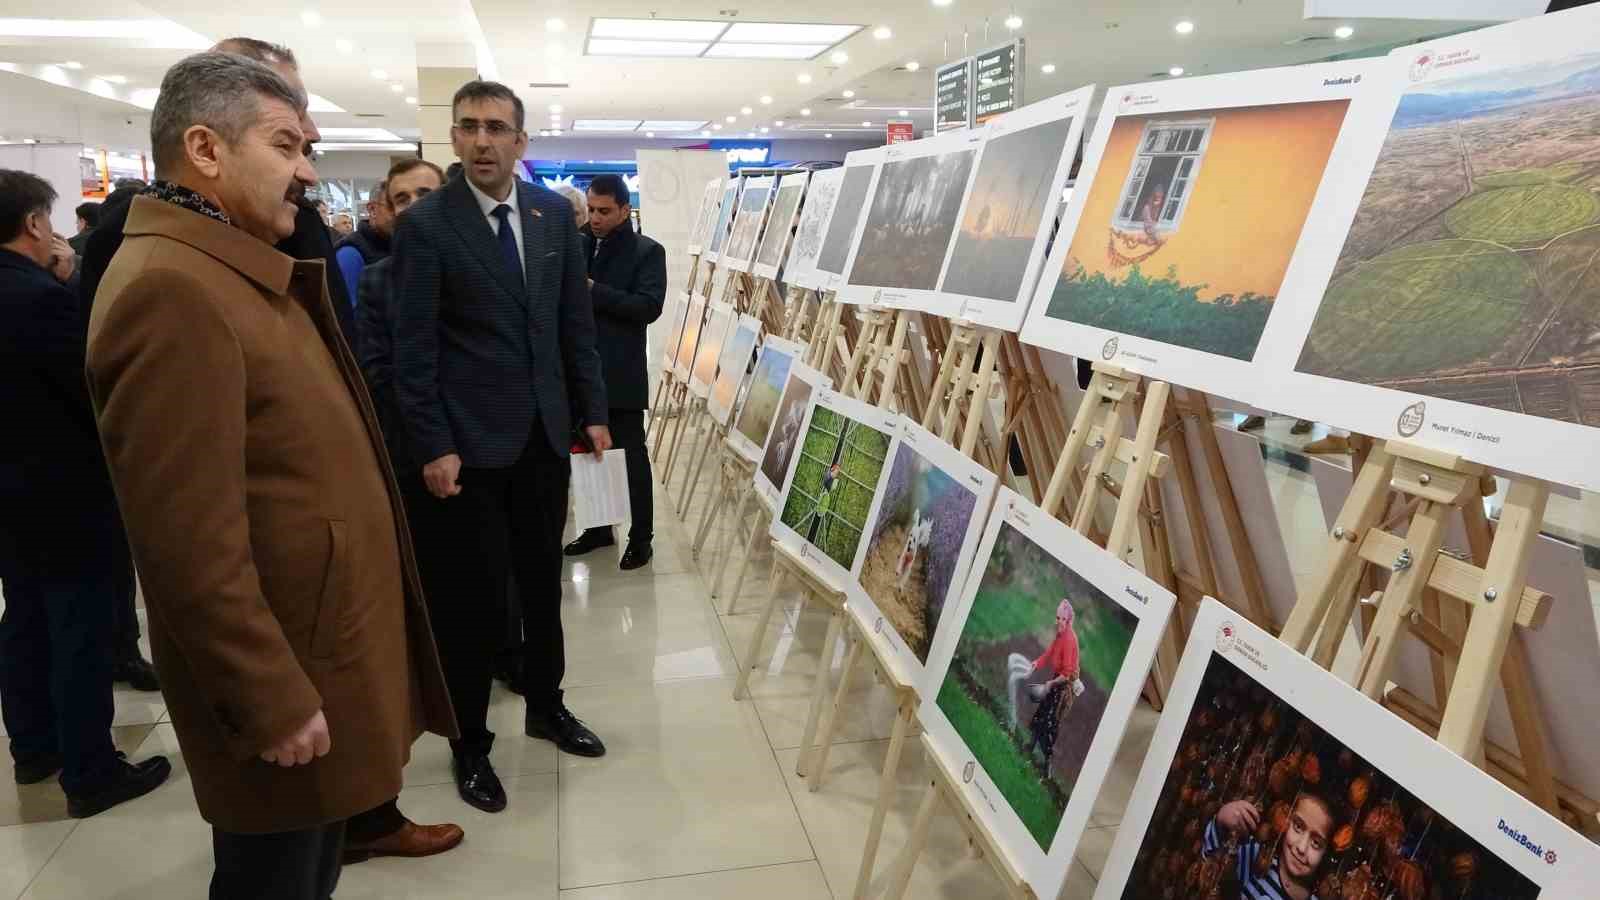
x,y
265,520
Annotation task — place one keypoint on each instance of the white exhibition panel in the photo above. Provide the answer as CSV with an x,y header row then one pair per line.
x,y
1512,840
689,338
58,165
950,496
1122,593
754,198
672,316
731,367
860,168
787,431
724,220
821,194
1174,196
1449,305
775,239
710,205
709,348
758,408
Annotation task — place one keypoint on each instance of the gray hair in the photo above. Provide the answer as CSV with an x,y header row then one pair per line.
x,y
222,91
580,203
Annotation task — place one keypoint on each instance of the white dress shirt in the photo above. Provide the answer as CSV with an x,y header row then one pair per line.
x,y
488,204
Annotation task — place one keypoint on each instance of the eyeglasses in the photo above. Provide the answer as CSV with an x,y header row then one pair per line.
x,y
494,128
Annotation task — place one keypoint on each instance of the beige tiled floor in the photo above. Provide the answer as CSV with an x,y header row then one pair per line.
x,y
698,799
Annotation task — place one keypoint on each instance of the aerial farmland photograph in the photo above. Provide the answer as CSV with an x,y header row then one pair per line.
x,y
1469,270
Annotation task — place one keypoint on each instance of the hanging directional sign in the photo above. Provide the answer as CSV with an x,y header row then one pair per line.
x,y
997,81
952,95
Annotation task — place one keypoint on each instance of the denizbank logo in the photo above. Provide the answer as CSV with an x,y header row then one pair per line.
x,y
1548,856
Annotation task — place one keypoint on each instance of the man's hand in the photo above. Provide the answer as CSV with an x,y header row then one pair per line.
x,y
591,284
600,437
310,742
61,258
1239,816
441,474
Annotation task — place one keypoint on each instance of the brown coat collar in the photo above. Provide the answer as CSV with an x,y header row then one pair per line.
x,y
229,245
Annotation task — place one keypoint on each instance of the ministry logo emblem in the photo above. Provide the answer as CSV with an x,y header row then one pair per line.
x,y
1109,351
967,771
1411,419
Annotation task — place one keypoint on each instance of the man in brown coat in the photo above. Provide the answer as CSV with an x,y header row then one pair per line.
x,y
285,614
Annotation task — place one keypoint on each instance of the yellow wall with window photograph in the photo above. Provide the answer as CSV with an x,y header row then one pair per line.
x,y
1253,188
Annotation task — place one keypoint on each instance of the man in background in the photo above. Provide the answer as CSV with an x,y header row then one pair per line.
x,y
495,372
62,549
343,226
88,217
285,616
628,285
368,244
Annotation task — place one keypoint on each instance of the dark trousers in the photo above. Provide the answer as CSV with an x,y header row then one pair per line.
x,y
503,521
378,822
55,674
288,865
124,613
628,433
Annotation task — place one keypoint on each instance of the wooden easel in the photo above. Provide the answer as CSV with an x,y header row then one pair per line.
x,y
1467,613
667,387
1113,396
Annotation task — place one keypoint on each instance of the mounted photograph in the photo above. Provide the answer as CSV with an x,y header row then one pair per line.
x,y
821,194
732,365
784,436
859,167
720,225
741,244
780,225
760,407
911,217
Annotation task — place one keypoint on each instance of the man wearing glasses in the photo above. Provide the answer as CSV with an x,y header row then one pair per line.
x,y
496,374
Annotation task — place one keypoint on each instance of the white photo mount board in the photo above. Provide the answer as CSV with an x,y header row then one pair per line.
x,y
688,340
1151,604
709,206
1481,808
844,224
1005,312
776,362
1534,56
755,198
675,313
709,348
1169,101
873,417
1563,655
803,380
971,477
721,225
731,366
770,249
821,193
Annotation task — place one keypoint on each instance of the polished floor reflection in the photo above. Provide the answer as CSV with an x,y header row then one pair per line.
x,y
698,799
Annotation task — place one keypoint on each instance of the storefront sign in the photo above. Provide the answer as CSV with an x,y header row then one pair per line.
x,y
900,131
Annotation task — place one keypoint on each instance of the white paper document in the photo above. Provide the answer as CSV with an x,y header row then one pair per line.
x,y
600,489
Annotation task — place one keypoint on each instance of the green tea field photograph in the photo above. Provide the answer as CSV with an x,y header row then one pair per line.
x,y
828,501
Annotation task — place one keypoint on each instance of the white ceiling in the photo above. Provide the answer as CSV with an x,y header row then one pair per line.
x,y
1105,41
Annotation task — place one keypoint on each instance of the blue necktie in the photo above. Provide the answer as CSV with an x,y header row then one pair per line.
x,y
508,241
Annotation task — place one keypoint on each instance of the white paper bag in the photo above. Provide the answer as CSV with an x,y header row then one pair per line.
x,y
600,489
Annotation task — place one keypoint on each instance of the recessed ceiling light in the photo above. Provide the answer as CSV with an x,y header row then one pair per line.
x,y
766,100
1184,27
731,119
778,124
942,2
806,111
554,50
311,18
1013,21
555,132
554,24
803,78
380,74
905,112
705,134
882,33
840,57
117,79
30,140
620,47
828,135
865,124
397,88
544,133
913,66
745,110
555,107
657,29
784,33
733,50
765,129
344,46
718,125
649,134
1048,68
411,101
1175,71
848,94
1343,32
73,64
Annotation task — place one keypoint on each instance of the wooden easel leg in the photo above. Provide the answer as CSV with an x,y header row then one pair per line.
x,y
762,526
980,396
1123,527
667,419
1404,593
729,541
685,413
1077,438
819,772
686,496
720,495
901,879
819,692
1527,722
886,792
741,689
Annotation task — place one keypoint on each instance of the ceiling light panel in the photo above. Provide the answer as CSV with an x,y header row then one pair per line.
x,y
605,124
657,29
358,134
152,33
616,47
730,50
781,33
673,124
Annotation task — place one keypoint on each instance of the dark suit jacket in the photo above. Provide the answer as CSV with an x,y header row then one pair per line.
x,y
57,508
480,355
375,350
630,287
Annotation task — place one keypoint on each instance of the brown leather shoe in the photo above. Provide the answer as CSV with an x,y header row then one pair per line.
x,y
412,840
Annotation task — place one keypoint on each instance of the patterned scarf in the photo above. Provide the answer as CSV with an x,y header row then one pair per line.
x,y
178,195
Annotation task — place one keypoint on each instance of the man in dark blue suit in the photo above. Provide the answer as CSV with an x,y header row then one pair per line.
x,y
495,373
62,547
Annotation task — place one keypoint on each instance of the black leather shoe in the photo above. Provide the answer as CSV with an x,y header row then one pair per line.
x,y
35,771
593,539
136,673
638,554
478,784
130,781
564,729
